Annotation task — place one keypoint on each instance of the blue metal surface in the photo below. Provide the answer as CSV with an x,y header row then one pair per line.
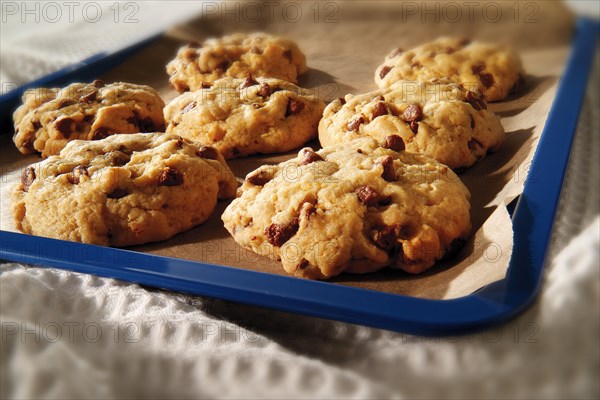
x,y
533,219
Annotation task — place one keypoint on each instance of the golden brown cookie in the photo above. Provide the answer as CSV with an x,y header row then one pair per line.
x,y
246,116
50,118
355,207
489,69
235,56
441,120
122,190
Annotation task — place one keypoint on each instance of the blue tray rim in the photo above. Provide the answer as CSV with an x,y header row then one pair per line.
x,y
496,303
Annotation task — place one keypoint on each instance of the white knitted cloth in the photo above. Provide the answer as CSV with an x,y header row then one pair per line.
x,y
69,335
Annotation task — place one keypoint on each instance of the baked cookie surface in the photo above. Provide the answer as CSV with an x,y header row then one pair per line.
x,y
489,69
235,56
122,190
246,116
355,207
441,120
50,118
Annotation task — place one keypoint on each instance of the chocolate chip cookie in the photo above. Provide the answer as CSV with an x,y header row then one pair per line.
x,y
122,190
50,118
489,69
355,207
442,120
246,116
235,56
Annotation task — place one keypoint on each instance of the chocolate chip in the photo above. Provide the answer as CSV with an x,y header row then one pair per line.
x,y
449,50
477,68
65,126
27,178
249,81
259,178
412,113
294,107
208,152
379,110
302,264
264,90
36,125
367,195
118,158
389,173
143,125
223,65
384,200
170,177
354,125
117,194
342,100
475,101
414,127
65,103
487,80
98,83
205,85
464,42
288,54
278,234
385,237
395,52
188,107
79,171
310,156
90,97
394,142
384,71
101,133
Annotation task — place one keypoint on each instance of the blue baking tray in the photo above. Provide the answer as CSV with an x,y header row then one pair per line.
x,y
494,304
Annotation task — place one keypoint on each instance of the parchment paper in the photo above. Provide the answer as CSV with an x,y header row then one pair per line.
x,y
343,47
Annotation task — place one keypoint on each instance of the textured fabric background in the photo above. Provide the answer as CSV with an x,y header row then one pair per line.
x,y
68,335
39,38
